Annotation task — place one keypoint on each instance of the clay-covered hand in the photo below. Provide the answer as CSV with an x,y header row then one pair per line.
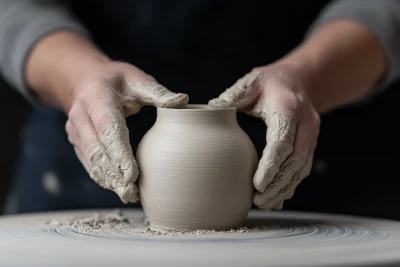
x,y
276,94
97,128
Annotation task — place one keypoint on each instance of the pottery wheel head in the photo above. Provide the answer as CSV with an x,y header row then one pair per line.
x,y
278,239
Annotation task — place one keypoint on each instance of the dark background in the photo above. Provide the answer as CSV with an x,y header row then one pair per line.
x,y
13,111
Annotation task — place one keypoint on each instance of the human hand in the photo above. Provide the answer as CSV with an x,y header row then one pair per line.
x,y
275,93
96,122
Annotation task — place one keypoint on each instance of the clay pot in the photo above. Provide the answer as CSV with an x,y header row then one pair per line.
x,y
196,168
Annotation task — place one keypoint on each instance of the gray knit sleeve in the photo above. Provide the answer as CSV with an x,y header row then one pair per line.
x,y
381,17
22,24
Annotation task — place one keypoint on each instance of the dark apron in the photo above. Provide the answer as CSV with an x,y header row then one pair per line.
x,y
201,48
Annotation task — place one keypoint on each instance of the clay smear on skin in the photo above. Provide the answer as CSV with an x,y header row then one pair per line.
x,y
116,222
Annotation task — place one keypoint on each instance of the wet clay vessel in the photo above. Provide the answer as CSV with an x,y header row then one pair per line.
x,y
196,167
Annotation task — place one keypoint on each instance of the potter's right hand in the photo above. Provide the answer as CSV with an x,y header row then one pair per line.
x,y
276,94
96,122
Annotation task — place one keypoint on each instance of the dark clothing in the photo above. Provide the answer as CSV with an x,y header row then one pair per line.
x,y
201,48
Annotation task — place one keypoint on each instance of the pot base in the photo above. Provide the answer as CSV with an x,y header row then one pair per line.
x,y
161,229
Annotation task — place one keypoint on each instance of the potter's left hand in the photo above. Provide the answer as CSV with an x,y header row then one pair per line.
x,y
276,94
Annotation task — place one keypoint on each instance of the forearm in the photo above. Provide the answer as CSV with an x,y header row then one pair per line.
x,y
57,63
340,63
23,25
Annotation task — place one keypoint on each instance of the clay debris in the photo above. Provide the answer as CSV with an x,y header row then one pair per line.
x,y
117,223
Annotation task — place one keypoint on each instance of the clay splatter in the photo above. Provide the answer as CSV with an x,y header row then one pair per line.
x,y
116,222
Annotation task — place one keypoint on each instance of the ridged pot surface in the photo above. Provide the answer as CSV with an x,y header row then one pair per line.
x,y
196,168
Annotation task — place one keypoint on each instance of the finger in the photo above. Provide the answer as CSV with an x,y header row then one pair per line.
x,y
278,206
239,95
293,164
280,137
304,136
105,113
126,192
288,191
73,136
313,133
309,162
82,159
75,140
153,93
306,170
285,194
303,174
110,126
113,133
91,150
102,169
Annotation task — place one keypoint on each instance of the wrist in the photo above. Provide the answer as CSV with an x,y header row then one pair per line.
x,y
57,64
338,64
76,76
308,71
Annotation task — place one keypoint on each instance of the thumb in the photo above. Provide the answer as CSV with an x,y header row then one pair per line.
x,y
238,95
157,95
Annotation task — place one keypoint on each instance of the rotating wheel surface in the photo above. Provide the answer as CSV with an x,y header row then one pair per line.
x,y
285,239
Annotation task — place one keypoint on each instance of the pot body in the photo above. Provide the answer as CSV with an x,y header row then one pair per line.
x,y
196,168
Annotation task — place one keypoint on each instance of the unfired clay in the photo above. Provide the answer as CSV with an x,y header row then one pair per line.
x,y
196,169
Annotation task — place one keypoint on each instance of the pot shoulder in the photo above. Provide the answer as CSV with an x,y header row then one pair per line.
x,y
196,139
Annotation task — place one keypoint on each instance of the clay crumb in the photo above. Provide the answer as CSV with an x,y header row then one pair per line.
x,y
117,224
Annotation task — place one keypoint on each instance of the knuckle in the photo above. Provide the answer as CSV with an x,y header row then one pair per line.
x,y
74,112
316,119
121,69
106,95
135,169
291,103
305,173
300,155
93,151
258,200
68,127
105,100
126,162
298,103
97,176
131,108
108,126
293,163
284,146
314,146
121,65
70,140
289,167
256,70
156,88
88,92
287,140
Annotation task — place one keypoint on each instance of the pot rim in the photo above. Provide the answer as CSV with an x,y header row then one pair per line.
x,y
198,107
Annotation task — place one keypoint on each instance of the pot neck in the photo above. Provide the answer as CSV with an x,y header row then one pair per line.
x,y
197,114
